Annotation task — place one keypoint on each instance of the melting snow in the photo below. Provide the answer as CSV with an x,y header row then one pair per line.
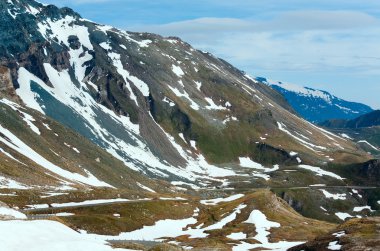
x,y
213,106
106,46
193,104
64,214
141,85
357,193
263,225
309,145
11,184
174,228
231,217
5,211
182,137
219,200
334,246
193,144
10,156
359,209
366,142
19,146
302,90
177,71
320,172
237,236
46,126
146,188
26,117
343,216
161,229
339,234
247,162
199,85
292,154
346,136
338,196
47,235
169,101
82,203
61,29
76,150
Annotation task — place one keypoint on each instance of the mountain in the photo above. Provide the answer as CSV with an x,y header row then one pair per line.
x,y
366,120
157,104
128,136
364,129
316,105
356,234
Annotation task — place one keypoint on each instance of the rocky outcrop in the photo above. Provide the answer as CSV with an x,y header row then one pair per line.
x,y
6,84
353,235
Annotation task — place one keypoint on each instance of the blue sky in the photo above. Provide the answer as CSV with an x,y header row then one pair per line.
x,y
330,45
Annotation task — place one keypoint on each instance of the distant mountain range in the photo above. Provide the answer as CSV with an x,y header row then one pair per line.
x,y
366,120
365,130
316,105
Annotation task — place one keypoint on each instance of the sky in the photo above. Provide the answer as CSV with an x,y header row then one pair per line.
x,y
323,44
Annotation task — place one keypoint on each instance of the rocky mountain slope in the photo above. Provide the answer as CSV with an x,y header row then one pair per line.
x,y
315,105
158,105
364,129
357,234
366,120
100,127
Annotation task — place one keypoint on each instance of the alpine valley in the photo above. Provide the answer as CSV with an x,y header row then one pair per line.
x,y
113,140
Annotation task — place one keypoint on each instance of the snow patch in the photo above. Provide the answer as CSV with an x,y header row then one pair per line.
x,y
369,144
213,106
320,172
338,196
82,203
47,235
5,211
359,209
248,163
16,144
145,187
178,71
220,200
334,246
309,145
237,236
193,104
343,216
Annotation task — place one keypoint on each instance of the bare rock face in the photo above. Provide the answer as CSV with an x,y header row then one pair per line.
x,y
5,79
6,85
353,235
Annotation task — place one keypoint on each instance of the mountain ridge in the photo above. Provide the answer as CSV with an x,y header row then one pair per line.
x,y
102,65
316,105
366,120
119,135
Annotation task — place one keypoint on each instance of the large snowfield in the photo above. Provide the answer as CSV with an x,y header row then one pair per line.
x,y
46,235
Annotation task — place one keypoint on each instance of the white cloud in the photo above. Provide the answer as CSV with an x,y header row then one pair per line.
x,y
288,21
344,43
309,40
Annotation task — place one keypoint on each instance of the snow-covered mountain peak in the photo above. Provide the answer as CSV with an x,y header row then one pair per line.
x,y
316,105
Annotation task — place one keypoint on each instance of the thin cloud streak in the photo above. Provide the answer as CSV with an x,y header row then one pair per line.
x,y
332,47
